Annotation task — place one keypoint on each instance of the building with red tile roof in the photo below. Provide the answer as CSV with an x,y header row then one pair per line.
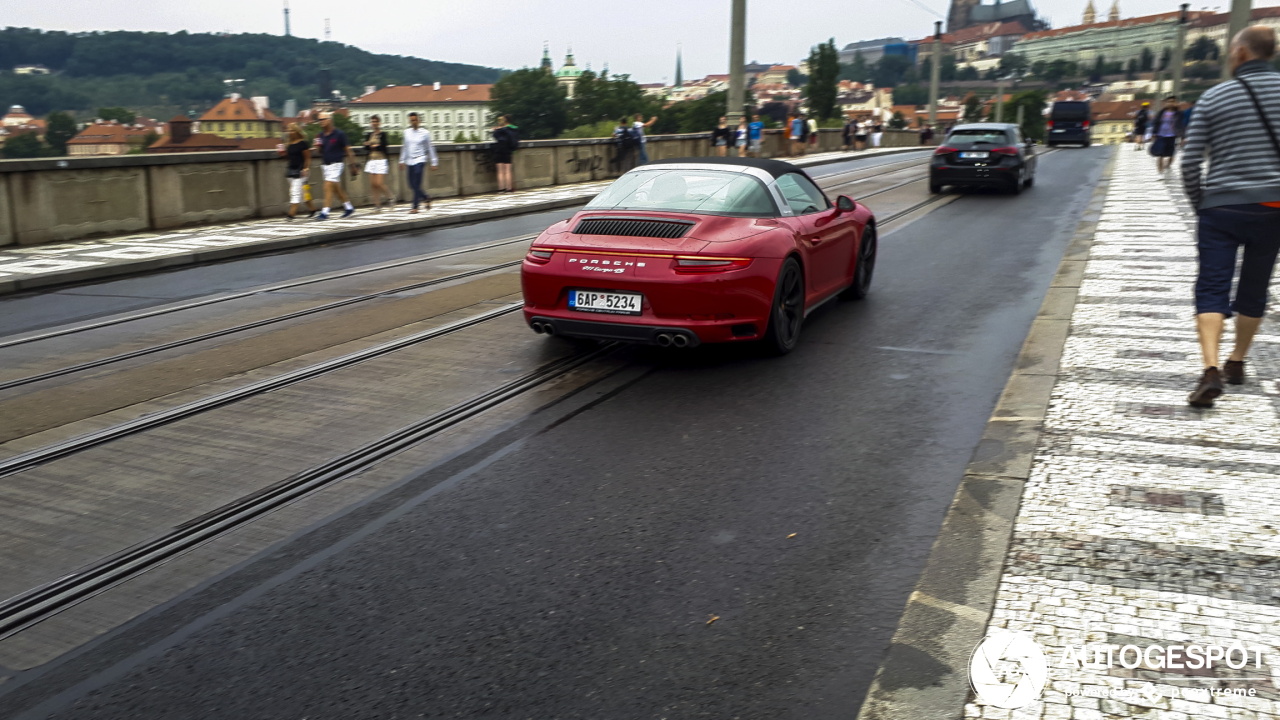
x,y
238,117
444,110
110,138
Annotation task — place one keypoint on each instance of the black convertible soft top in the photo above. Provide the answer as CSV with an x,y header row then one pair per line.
x,y
776,168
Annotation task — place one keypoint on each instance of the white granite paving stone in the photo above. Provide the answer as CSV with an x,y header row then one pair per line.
x,y
1145,520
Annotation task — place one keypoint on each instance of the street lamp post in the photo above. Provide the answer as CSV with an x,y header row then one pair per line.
x,y
935,72
1179,49
999,99
737,62
1239,19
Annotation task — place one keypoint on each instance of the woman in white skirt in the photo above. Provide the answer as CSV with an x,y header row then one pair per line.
x,y
375,141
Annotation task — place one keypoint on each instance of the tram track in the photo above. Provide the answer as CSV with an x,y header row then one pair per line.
x,y
33,606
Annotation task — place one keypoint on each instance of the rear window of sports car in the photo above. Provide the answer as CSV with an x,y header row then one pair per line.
x,y
703,192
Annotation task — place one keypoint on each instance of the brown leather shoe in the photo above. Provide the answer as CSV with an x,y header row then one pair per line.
x,y
1233,372
1207,390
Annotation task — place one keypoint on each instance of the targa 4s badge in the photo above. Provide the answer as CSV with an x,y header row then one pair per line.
x,y
1008,669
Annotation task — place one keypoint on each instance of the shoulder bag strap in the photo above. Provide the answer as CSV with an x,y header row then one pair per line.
x,y
1257,105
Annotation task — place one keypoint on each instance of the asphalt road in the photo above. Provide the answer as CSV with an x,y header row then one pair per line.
x,y
572,572
34,311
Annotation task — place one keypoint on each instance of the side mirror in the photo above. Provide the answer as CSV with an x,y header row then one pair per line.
x,y
845,204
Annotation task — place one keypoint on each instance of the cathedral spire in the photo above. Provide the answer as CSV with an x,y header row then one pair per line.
x,y
546,56
1090,15
1114,15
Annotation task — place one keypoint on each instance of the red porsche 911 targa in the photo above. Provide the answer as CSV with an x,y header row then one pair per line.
x,y
699,250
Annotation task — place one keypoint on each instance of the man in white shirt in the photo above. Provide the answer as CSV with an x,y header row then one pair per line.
x,y
415,152
639,126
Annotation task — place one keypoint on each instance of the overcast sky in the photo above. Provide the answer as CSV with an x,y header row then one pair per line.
x,y
638,37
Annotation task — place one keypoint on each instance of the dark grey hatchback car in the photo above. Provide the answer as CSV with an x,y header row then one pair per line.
x,y
984,155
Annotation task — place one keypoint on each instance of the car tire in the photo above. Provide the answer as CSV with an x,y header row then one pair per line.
x,y
865,266
1031,180
786,315
935,188
1016,187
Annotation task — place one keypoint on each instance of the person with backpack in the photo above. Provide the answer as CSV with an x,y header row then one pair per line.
x,y
506,139
1237,123
624,146
1140,122
796,128
637,128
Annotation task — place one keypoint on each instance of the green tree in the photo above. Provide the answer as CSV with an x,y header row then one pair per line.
x,y
855,70
898,121
972,109
795,78
910,95
121,115
460,137
948,71
26,145
824,71
1131,71
1147,61
890,69
1099,68
1203,49
61,127
533,100
1013,64
967,73
1032,103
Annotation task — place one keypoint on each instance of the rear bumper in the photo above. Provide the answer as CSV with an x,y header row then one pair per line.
x,y
1068,136
642,334
998,175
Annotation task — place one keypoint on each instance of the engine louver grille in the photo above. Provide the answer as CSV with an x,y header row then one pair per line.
x,y
632,228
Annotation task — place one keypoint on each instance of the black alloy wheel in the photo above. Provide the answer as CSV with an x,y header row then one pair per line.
x,y
866,266
788,310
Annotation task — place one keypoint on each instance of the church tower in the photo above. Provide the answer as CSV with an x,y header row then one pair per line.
x,y
958,16
1114,15
1090,15
546,58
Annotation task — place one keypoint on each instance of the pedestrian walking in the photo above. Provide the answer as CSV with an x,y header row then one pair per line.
x,y
1140,122
877,133
926,135
506,138
721,136
812,126
415,153
755,135
375,167
335,153
638,127
298,153
848,133
1238,204
860,139
1167,128
740,137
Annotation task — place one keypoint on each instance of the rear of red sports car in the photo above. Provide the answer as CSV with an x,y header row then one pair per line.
x,y
654,277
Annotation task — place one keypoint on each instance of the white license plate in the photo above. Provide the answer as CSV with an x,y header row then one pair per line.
x,y
605,302
975,155
1059,130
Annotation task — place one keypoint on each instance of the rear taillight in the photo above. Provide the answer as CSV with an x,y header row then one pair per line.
x,y
542,257
1086,124
1050,124
688,264
944,150
1005,151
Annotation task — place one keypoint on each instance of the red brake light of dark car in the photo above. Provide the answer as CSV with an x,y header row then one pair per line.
x,y
689,264
1086,124
542,257
1050,124
944,149
1005,150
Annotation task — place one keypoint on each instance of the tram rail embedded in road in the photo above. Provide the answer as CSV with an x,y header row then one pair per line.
x,y
31,607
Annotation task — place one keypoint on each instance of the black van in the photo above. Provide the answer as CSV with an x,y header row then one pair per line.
x,y
1069,123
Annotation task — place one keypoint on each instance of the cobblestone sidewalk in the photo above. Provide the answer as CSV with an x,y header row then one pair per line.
x,y
1146,522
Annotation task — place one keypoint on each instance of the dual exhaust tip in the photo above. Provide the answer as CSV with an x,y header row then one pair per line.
x,y
678,340
541,328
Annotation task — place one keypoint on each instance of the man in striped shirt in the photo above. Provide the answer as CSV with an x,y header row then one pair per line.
x,y
1238,203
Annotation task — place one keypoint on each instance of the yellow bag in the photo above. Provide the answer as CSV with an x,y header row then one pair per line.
x,y
306,192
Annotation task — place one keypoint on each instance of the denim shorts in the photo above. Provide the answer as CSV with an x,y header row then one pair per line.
x,y
1222,231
